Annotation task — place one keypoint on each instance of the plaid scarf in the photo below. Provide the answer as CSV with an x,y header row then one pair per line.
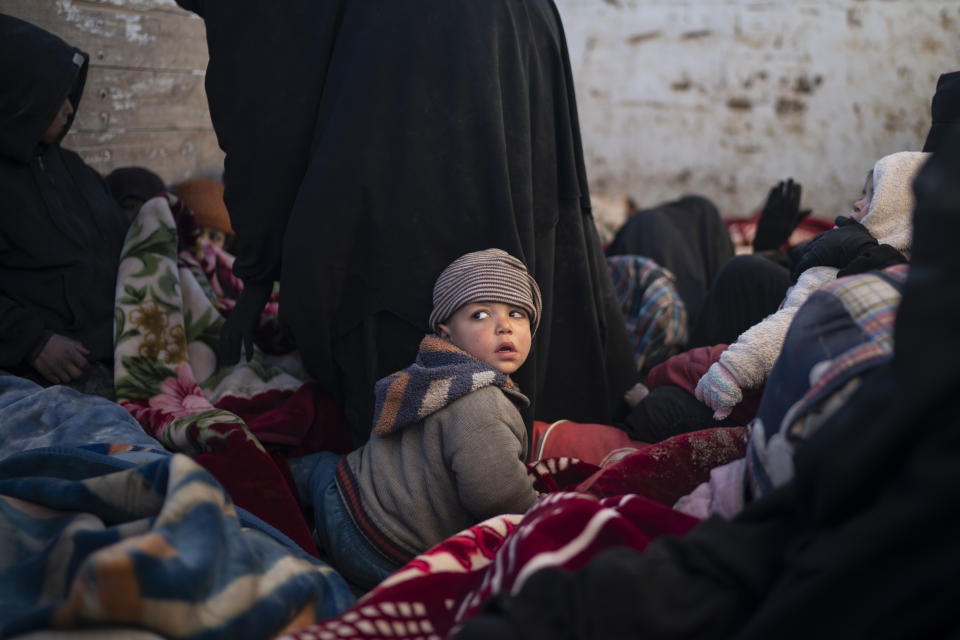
x,y
441,374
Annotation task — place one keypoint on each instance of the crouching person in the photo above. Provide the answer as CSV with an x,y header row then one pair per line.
x,y
448,442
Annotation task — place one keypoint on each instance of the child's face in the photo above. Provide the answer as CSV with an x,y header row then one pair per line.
x,y
862,206
214,236
496,333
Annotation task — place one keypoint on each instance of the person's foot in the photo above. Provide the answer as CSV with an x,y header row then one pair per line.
x,y
635,394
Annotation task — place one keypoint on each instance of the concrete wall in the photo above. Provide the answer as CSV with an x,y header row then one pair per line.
x,y
144,102
718,97
725,97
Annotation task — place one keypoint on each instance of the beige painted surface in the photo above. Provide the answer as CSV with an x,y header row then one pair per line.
x,y
718,97
724,97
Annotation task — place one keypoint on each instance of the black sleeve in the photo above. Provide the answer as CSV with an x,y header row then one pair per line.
x,y
264,80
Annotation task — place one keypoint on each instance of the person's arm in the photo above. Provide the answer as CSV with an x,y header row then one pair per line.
x,y
747,362
25,340
490,474
780,216
22,332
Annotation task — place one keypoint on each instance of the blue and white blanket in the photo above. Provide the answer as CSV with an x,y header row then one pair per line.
x,y
101,527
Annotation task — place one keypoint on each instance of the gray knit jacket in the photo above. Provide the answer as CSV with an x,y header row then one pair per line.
x,y
413,488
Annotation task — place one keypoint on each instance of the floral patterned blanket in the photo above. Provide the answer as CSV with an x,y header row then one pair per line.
x,y
240,421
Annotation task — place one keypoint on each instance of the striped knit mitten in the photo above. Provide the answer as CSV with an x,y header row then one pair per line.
x,y
719,390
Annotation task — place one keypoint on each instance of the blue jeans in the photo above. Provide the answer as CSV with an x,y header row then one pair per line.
x,y
347,549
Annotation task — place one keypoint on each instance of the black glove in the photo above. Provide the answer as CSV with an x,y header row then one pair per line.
x,y
781,215
835,247
878,257
243,321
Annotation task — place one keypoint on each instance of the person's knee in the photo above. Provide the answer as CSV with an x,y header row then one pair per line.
x,y
667,411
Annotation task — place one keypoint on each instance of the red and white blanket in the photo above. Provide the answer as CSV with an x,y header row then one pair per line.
x,y
442,588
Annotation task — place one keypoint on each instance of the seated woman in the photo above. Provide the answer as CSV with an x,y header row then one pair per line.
x,y
881,215
727,380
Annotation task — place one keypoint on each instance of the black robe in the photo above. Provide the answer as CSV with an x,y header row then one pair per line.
x,y
60,230
370,142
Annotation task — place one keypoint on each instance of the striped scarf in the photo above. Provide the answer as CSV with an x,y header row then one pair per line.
x,y
441,374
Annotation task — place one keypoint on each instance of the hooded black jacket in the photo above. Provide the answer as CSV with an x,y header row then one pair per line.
x,y
371,142
60,230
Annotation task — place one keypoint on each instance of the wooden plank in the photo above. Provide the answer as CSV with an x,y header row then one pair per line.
x,y
171,38
136,5
118,100
173,155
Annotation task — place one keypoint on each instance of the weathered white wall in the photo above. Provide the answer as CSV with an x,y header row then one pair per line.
x,y
144,102
718,97
725,97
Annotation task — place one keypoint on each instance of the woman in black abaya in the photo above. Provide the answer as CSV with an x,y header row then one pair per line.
x,y
369,143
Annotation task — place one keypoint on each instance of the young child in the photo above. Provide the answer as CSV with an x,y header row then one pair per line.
x,y
448,443
204,197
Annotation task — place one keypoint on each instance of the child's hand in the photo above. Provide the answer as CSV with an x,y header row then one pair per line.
x,y
241,324
635,394
719,390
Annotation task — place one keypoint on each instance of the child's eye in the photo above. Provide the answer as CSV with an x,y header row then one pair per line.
x,y
479,315
518,313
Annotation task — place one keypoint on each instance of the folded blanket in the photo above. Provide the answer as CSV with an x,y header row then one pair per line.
x,y
158,546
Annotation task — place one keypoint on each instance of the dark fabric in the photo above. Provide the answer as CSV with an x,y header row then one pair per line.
x,y
685,369
862,541
687,236
873,258
669,411
416,132
747,289
134,182
944,111
836,247
60,230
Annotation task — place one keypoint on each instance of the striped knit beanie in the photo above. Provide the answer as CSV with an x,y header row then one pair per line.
x,y
491,275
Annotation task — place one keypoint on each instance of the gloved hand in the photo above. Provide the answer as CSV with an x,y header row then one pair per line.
x,y
61,359
878,257
780,216
719,390
835,247
242,322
